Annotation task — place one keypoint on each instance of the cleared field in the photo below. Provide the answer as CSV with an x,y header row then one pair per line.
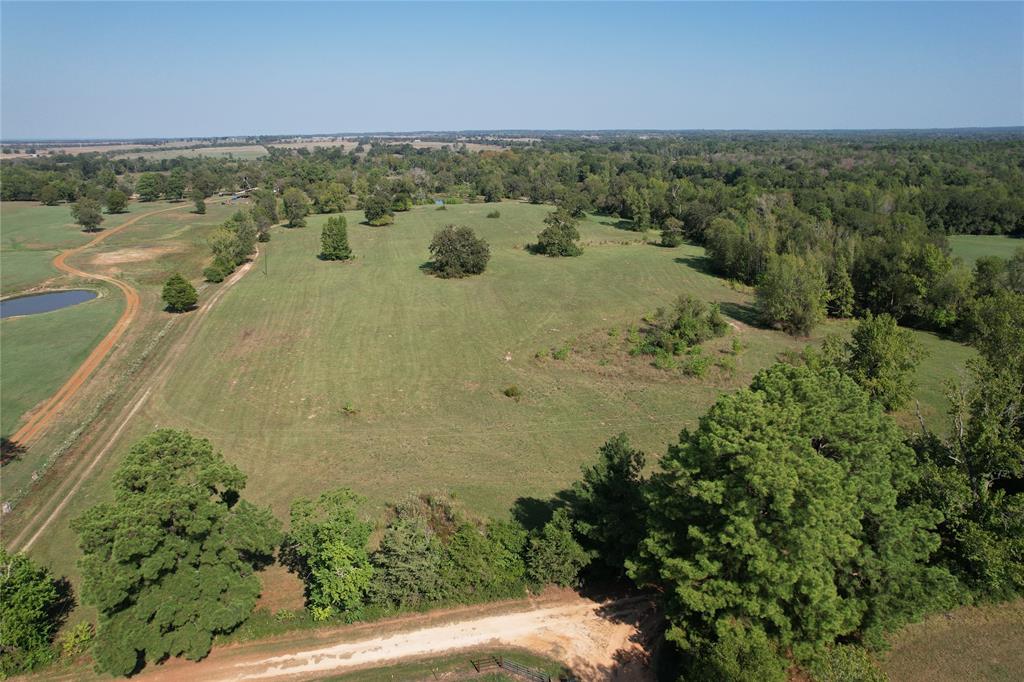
x,y
39,352
160,245
33,234
971,643
374,375
246,152
971,247
421,362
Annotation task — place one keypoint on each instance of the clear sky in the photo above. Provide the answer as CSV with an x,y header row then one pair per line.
x,y
176,69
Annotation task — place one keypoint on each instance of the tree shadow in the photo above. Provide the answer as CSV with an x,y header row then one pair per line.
x,y
621,224
532,512
747,314
64,604
194,306
699,263
633,662
10,451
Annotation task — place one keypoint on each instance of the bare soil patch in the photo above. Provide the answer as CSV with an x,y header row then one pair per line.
x,y
134,255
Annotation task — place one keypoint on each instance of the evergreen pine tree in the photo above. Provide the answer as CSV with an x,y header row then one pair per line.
x,y
334,240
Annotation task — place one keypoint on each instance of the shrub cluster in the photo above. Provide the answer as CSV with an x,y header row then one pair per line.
x,y
430,553
671,331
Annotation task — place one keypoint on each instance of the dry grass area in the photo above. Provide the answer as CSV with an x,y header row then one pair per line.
x,y
968,644
311,144
133,255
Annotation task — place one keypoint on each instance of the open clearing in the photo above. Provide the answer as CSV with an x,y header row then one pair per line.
x,y
39,352
971,643
971,247
274,368
33,235
275,364
246,152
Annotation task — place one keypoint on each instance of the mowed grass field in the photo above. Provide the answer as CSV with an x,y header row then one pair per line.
x,y
39,352
971,247
374,375
32,235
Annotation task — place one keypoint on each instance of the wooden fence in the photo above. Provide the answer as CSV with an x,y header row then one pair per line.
x,y
502,663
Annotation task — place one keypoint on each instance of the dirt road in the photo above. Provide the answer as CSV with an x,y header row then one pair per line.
x,y
598,641
103,438
43,416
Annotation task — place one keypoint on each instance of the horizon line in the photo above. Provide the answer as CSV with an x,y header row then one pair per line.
x,y
516,131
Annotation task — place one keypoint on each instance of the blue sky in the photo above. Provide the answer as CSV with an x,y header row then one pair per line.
x,y
85,70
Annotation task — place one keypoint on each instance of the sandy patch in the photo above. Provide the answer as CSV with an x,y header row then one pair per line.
x,y
134,255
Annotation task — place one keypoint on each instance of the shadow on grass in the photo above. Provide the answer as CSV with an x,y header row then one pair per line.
x,y
532,512
699,263
747,314
626,225
10,451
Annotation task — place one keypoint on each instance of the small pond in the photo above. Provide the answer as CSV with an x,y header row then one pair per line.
x,y
44,303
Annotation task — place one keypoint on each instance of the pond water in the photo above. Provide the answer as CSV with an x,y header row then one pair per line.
x,y
44,303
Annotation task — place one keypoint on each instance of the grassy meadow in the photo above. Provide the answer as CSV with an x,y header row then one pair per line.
x,y
375,375
39,352
32,235
971,247
970,643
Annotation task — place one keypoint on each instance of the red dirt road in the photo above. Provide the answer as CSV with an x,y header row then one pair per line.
x,y
44,415
107,436
597,640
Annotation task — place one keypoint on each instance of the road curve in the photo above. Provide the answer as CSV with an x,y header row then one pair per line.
x,y
43,416
598,640
100,443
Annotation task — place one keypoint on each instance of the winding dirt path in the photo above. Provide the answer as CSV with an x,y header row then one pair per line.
x,y
44,415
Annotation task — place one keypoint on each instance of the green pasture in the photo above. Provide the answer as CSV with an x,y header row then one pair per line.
x,y
39,352
158,246
375,375
971,247
32,234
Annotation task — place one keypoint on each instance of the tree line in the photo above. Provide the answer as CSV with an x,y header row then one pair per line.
x,y
852,223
